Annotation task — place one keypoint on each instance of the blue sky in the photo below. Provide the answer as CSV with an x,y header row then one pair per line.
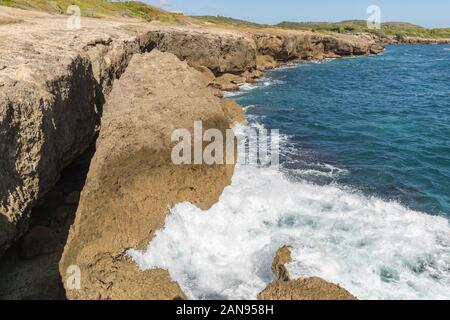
x,y
429,13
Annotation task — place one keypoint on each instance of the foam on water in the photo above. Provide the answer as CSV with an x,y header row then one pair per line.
x,y
247,87
374,248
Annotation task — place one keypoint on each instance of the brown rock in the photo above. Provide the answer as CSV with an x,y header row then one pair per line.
x,y
132,181
301,289
282,257
219,50
251,75
208,76
233,112
228,82
38,241
305,289
54,82
264,62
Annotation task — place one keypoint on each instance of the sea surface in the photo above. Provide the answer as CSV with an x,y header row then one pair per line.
x,y
362,194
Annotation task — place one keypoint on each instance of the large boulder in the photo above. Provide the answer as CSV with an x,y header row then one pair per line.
x,y
132,182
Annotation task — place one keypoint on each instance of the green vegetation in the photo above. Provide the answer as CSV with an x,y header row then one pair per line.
x,y
100,9
136,9
400,29
219,20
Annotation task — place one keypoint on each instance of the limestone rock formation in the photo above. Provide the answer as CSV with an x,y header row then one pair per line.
x,y
54,82
132,181
264,62
44,124
228,82
282,257
233,112
305,289
221,51
301,289
208,76
308,45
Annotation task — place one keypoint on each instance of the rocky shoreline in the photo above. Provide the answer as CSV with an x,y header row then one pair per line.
x,y
396,40
121,86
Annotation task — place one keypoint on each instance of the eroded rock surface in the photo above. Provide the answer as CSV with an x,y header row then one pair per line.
x,y
301,289
220,51
132,181
305,289
54,82
282,257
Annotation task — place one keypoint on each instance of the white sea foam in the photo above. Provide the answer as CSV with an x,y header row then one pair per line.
x,y
247,87
326,170
374,248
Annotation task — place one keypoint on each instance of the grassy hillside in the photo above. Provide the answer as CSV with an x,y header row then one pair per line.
x,y
99,9
219,20
401,29
136,9
348,25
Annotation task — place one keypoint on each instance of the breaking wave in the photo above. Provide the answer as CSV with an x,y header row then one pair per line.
x,y
376,249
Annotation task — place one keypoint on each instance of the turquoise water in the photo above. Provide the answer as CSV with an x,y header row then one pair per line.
x,y
381,122
362,197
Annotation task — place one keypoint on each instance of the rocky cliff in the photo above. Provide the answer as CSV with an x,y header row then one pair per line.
x,y
59,89
392,39
132,180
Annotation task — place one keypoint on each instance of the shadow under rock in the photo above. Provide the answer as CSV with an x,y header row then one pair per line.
x,y
29,270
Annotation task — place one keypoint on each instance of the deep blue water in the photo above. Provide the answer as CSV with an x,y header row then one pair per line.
x,y
373,125
378,124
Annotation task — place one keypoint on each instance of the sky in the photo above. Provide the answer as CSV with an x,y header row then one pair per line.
x,y
428,13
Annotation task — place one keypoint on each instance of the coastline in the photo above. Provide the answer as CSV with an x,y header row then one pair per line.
x,y
218,59
312,228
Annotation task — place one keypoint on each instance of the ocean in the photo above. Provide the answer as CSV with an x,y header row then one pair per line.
x,y
362,194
